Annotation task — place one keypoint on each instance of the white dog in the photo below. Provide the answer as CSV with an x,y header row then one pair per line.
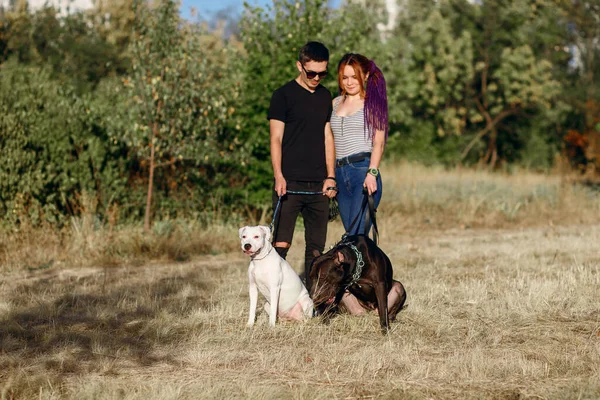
x,y
285,294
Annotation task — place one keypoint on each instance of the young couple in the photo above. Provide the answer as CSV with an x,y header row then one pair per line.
x,y
329,147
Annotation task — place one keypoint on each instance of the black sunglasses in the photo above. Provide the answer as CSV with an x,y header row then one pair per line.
x,y
313,74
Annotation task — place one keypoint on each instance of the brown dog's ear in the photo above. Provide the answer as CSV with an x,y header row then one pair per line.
x,y
316,253
340,257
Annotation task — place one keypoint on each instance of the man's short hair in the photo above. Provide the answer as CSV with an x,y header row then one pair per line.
x,y
313,51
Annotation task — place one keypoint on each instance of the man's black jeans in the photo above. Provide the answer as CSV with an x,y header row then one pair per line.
x,y
315,211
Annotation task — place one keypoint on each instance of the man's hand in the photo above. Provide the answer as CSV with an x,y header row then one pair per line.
x,y
280,185
370,183
328,188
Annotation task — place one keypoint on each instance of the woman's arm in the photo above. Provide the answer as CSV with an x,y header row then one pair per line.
x,y
376,155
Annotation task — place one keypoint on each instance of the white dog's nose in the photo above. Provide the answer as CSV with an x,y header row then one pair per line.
x,y
247,246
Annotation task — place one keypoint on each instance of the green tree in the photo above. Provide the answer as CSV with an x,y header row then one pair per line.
x,y
16,26
178,110
53,148
114,20
69,44
511,80
474,69
438,73
72,46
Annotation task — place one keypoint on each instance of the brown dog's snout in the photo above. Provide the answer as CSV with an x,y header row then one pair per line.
x,y
247,246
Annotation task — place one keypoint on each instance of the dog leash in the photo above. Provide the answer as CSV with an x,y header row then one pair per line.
x,y
370,217
279,204
368,201
274,216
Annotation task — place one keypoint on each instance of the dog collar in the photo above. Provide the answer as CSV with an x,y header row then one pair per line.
x,y
359,265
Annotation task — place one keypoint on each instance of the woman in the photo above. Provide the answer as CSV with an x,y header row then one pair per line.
x,y
360,126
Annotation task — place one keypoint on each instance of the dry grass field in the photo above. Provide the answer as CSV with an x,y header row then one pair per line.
x,y
502,274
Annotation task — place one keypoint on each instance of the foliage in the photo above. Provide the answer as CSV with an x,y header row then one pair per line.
x,y
113,20
441,68
470,67
91,102
177,115
69,45
54,148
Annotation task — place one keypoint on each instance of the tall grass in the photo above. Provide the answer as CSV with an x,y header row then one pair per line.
x,y
88,240
85,245
415,198
446,198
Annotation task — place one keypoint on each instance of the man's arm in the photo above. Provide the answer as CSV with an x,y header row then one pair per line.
x,y
276,128
330,161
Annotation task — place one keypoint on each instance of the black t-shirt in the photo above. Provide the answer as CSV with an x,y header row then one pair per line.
x,y
305,115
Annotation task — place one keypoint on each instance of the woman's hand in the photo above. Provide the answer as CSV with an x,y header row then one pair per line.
x,y
370,183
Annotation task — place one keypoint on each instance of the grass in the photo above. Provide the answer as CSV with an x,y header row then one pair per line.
x,y
499,307
84,244
415,198
479,199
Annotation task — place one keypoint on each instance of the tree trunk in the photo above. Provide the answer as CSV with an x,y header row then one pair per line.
x,y
150,179
489,127
492,152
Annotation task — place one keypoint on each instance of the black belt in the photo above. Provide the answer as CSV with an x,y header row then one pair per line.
x,y
352,159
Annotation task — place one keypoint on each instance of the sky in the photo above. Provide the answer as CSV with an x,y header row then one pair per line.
x,y
211,6
203,7
216,5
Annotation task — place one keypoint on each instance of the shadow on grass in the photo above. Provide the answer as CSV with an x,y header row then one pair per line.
x,y
75,326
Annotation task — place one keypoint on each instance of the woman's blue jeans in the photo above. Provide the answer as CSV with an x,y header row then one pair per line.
x,y
350,196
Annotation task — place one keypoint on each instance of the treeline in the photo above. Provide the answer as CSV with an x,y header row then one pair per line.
x,y
136,113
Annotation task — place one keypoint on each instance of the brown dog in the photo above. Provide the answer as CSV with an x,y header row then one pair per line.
x,y
358,266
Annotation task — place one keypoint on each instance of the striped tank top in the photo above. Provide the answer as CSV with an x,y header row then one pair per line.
x,y
349,133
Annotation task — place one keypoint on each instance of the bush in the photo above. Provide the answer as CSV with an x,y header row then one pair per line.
x,y
54,148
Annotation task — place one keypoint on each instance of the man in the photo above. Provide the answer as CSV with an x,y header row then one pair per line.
x,y
302,153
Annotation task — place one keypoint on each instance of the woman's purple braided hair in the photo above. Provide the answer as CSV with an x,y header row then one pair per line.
x,y
376,105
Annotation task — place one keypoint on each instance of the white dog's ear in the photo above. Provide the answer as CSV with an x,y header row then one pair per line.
x,y
241,231
267,232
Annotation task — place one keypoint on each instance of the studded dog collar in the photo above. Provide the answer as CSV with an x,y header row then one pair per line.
x,y
359,265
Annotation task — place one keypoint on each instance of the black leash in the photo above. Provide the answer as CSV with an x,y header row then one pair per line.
x,y
368,201
371,218
279,204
